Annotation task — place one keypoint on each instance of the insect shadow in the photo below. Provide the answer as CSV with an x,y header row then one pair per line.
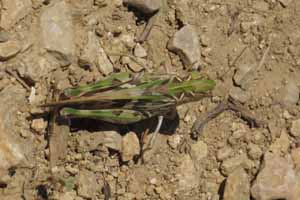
x,y
168,127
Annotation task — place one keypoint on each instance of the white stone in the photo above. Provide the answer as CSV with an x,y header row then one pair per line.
x,y
139,51
185,43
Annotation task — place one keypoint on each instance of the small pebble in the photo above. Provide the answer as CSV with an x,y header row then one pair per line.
x,y
295,129
39,125
175,140
295,153
139,51
130,146
4,36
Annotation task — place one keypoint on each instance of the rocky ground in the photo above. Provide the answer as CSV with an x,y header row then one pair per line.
x,y
250,48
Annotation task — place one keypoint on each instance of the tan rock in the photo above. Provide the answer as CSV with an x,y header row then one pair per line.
x,y
237,186
276,180
130,146
185,43
281,144
295,153
13,150
187,175
87,184
39,125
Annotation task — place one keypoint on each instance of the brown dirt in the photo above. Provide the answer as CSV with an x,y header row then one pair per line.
x,y
224,29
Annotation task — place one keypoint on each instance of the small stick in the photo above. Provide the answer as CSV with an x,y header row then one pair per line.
x,y
229,104
146,32
199,124
249,77
152,139
13,74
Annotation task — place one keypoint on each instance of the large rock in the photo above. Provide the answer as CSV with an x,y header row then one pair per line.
x,y
14,10
57,32
13,149
185,43
276,180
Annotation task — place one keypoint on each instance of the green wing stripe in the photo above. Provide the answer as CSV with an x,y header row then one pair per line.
x,y
119,116
197,85
111,81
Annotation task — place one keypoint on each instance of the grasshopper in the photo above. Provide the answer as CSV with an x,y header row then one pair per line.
x,y
125,98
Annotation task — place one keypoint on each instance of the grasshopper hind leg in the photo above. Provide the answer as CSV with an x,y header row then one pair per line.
x,y
153,137
158,126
